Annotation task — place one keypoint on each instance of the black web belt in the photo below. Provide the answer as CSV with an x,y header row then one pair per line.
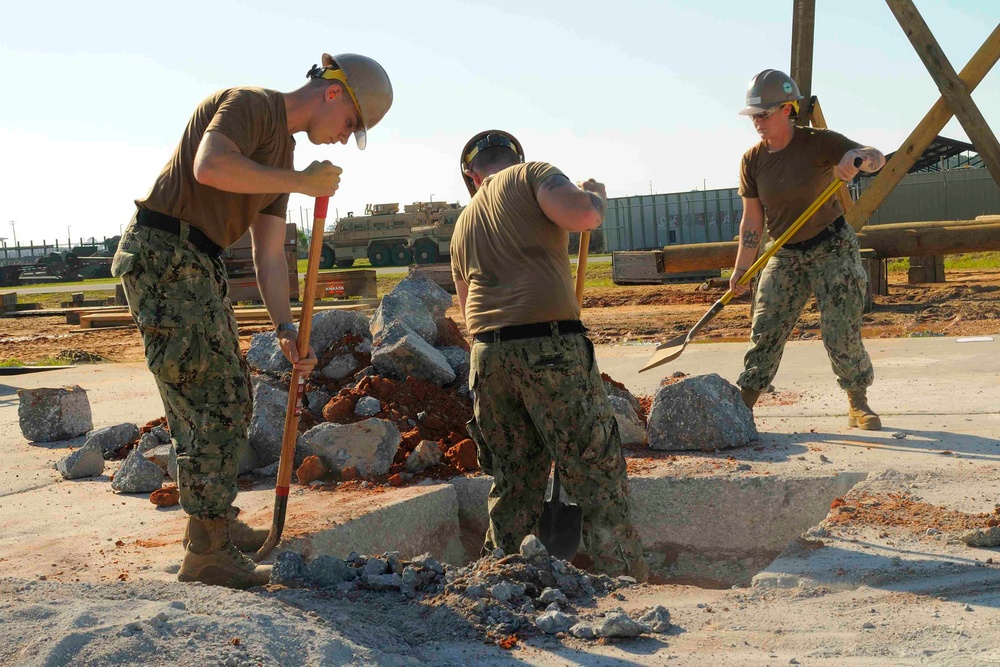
x,y
830,230
536,330
171,225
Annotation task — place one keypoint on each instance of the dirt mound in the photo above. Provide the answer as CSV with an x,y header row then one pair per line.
x,y
902,511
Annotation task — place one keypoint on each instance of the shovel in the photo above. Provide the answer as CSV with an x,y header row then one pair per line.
x,y
297,384
561,526
666,352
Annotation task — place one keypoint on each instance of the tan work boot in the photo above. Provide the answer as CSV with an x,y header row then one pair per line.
x,y
247,539
750,396
859,415
212,558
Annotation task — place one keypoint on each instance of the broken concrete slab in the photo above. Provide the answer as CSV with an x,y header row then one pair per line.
x,y
88,461
620,392
700,412
416,301
330,326
137,475
427,453
265,355
112,438
160,455
368,445
367,406
340,367
267,426
50,414
404,353
630,427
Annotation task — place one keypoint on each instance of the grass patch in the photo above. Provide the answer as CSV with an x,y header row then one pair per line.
x,y
968,260
78,283
55,299
47,361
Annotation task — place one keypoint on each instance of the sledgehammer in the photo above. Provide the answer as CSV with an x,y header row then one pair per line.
x,y
297,386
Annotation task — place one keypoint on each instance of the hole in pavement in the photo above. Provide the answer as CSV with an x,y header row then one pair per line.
x,y
711,532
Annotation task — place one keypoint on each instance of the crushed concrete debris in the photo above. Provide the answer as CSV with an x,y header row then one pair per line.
x,y
137,475
50,414
88,461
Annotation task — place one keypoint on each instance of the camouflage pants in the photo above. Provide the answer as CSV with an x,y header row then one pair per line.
x,y
178,298
539,400
831,270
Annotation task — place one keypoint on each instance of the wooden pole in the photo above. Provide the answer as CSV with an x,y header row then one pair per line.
x,y
923,134
951,86
803,29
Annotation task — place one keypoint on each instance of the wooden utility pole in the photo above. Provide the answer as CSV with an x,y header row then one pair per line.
x,y
803,29
951,86
923,134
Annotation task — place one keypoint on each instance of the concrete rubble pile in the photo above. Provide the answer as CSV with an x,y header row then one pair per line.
x,y
499,595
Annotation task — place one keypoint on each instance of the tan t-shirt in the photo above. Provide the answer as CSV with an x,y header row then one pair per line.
x,y
789,180
514,259
252,118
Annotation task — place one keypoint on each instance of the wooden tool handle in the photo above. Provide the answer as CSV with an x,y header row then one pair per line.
x,y
581,265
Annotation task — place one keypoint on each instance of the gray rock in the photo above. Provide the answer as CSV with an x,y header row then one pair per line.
x,y
340,367
162,433
147,441
428,562
172,462
985,537
701,412
112,438
630,427
458,359
417,302
657,618
326,571
289,569
265,355
367,406
374,567
369,445
552,622
533,549
385,582
582,631
268,422
550,595
137,475
317,400
617,392
404,353
160,455
617,624
51,414
329,326
506,591
246,459
87,461
427,453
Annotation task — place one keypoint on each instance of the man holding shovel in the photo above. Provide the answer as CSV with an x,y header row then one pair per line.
x,y
779,177
538,392
232,171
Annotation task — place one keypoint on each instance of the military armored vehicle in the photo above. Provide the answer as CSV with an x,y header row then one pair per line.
x,y
383,235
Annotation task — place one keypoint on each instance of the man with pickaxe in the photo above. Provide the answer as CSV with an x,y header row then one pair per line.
x,y
232,171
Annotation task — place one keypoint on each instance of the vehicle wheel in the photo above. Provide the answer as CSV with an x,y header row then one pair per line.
x,y
401,255
327,257
425,252
378,255
345,263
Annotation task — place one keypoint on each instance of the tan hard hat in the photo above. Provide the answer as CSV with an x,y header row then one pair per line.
x,y
481,141
367,83
769,89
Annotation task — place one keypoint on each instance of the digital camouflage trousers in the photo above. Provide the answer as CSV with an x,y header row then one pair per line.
x,y
832,271
539,400
178,298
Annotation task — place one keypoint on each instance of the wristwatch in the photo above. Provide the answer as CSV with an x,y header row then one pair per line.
x,y
285,326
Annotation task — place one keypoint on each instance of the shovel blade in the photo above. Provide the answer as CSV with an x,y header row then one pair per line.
x,y
561,529
666,352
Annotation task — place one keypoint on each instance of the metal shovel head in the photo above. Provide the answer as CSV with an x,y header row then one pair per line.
x,y
666,352
561,528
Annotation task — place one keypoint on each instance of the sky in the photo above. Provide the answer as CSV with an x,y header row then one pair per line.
x,y
642,96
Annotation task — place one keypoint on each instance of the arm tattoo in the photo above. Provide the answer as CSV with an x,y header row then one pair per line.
x,y
598,203
556,181
751,239
872,159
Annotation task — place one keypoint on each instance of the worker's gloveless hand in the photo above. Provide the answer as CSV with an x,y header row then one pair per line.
x,y
733,287
845,169
590,185
288,341
321,179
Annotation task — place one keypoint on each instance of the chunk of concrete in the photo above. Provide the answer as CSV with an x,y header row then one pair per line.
x,y
404,353
368,445
330,326
137,475
112,438
367,406
340,367
160,455
615,391
50,414
700,412
267,426
630,427
552,622
427,453
265,355
88,461
417,302
617,624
